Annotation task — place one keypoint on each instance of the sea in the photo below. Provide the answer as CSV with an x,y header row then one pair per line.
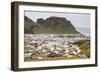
x,y
84,31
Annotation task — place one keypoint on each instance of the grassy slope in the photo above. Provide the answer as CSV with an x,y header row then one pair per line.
x,y
84,46
55,30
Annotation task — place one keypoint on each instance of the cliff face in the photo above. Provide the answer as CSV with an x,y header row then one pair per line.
x,y
51,25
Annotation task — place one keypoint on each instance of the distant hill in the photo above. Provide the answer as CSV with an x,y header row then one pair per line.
x,y
51,25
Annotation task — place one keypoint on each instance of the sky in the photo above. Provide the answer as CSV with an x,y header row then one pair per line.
x,y
79,20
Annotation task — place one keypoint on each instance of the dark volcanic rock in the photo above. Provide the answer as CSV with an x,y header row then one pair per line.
x,y
40,21
59,21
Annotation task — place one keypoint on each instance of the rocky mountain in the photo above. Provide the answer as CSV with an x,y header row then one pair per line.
x,y
50,25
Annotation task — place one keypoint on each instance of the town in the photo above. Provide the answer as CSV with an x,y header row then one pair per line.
x,y
52,46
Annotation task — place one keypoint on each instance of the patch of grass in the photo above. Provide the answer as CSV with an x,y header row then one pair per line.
x,y
86,48
28,59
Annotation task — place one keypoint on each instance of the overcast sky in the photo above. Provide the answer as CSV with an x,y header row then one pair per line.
x,y
78,20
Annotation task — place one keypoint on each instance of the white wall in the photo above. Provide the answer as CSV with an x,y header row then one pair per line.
x,y
5,26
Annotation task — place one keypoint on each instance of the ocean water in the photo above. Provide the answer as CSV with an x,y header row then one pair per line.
x,y
84,31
